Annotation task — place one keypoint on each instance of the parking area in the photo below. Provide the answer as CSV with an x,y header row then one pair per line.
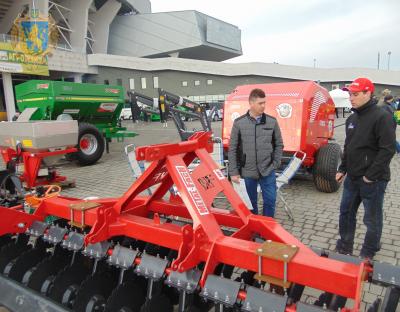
x,y
316,214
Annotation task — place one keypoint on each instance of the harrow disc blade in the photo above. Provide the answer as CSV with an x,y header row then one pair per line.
x,y
159,303
5,239
9,252
94,292
44,273
67,282
129,296
26,261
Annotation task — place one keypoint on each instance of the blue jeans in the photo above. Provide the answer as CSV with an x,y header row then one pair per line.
x,y
371,195
268,189
398,147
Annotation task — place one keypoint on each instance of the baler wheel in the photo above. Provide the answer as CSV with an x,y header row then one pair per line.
x,y
325,168
94,292
128,296
158,303
90,144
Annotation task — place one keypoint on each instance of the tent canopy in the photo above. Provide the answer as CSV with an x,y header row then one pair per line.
x,y
340,98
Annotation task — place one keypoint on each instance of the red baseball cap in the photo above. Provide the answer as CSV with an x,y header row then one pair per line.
x,y
361,84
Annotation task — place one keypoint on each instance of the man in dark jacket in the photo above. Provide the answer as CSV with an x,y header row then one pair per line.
x,y
368,149
255,151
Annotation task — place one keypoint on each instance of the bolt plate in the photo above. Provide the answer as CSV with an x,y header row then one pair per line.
x,y
386,274
37,228
122,257
151,267
97,251
277,251
55,234
259,300
186,281
74,241
85,205
221,290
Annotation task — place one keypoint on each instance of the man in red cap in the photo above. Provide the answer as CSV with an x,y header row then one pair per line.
x,y
368,149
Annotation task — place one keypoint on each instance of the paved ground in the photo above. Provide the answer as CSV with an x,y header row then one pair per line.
x,y
316,213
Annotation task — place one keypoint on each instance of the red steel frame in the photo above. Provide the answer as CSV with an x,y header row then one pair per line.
x,y
32,162
137,216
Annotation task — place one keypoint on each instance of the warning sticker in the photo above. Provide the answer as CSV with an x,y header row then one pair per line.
x,y
193,191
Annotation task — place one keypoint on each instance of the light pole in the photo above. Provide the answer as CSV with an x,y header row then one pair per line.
x,y
315,62
389,53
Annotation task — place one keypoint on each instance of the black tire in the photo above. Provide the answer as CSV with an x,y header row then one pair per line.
x,y
325,168
90,155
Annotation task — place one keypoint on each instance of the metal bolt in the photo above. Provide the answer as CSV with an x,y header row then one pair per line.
x,y
260,250
285,256
21,225
294,246
269,241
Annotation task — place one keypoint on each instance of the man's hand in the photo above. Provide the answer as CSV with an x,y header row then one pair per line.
x,y
365,179
235,179
340,176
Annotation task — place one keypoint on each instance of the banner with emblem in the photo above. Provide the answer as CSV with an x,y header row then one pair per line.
x,y
32,40
12,61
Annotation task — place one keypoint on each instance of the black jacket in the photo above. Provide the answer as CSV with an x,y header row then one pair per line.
x,y
387,107
370,143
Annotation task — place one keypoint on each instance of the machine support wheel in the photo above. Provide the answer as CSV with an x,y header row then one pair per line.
x,y
325,168
90,144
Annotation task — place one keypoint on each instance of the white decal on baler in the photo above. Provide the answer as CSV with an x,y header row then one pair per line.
x,y
284,110
318,100
192,189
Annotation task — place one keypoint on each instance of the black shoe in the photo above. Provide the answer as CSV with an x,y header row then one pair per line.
x,y
344,251
340,248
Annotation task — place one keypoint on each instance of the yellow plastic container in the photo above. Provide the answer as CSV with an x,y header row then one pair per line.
x,y
3,116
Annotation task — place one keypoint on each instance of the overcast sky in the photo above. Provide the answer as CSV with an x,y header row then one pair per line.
x,y
337,33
